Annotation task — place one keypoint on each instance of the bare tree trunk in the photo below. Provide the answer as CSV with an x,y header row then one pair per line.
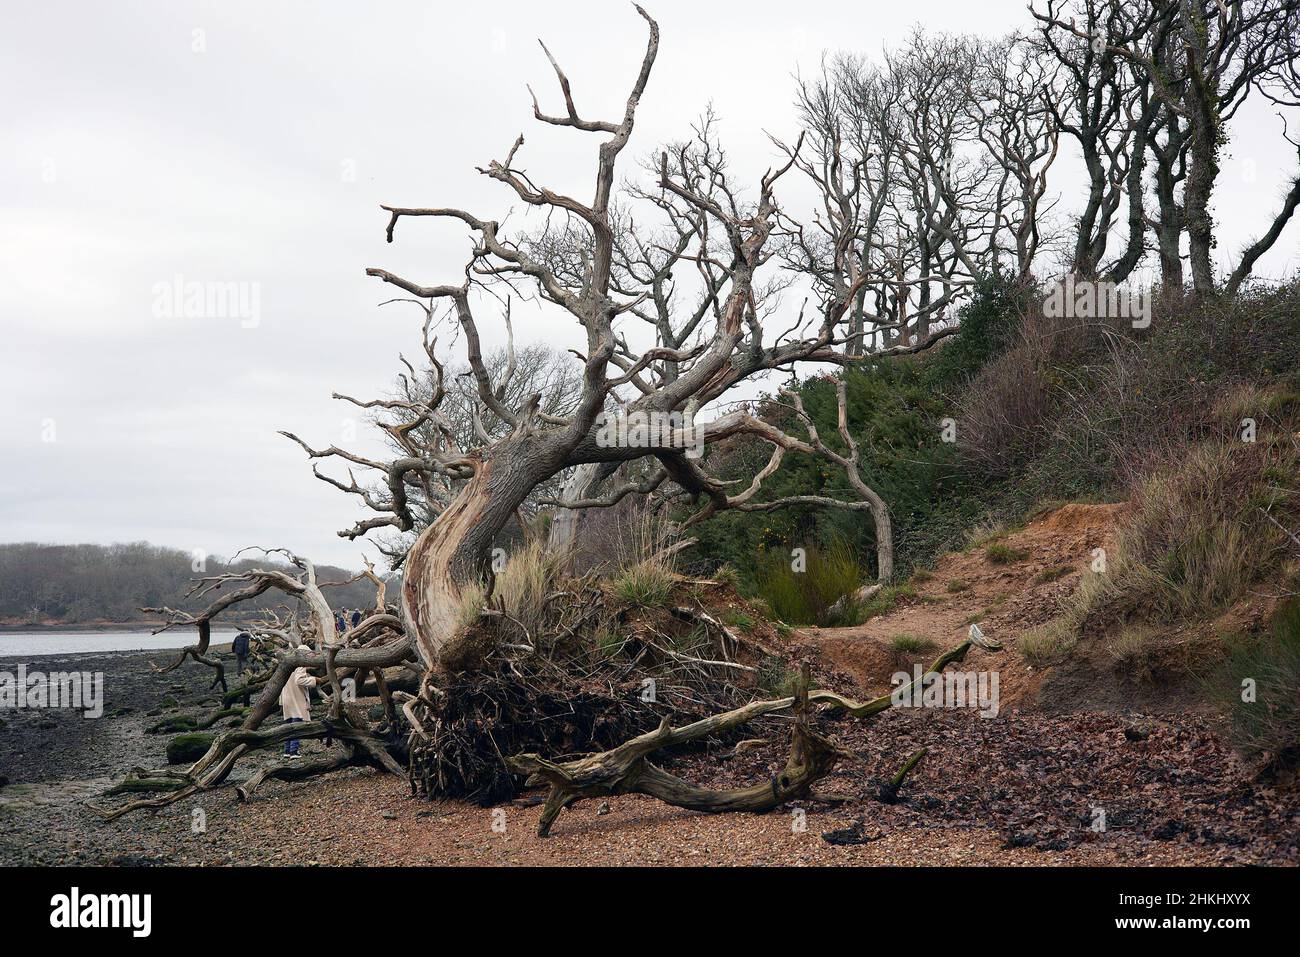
x,y
455,551
1203,171
581,484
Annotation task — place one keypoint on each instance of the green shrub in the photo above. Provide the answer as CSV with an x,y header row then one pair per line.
x,y
831,575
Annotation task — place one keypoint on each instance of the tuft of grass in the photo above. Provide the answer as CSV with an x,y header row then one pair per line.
x,y
957,585
521,588
735,618
775,677
472,596
647,583
609,644
985,533
692,642
886,600
1047,644
830,575
922,575
910,644
999,553
727,575
1198,536
1052,574
1131,648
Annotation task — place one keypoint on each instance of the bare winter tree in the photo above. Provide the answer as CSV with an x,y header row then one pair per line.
x,y
1014,95
1170,75
728,238
930,169
1107,110
519,373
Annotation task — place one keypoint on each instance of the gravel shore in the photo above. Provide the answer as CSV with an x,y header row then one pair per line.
x,y
1018,790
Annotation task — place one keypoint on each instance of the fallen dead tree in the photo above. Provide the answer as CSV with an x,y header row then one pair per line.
x,y
693,267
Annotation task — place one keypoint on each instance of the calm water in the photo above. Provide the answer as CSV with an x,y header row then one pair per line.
x,y
35,644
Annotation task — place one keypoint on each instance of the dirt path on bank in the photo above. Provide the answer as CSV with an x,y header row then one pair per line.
x,y
1041,566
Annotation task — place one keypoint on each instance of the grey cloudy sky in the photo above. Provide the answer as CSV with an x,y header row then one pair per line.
x,y
130,158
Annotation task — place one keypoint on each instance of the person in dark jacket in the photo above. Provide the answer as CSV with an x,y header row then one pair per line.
x,y
240,647
356,617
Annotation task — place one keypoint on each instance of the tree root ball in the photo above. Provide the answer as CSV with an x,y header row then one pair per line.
x,y
481,719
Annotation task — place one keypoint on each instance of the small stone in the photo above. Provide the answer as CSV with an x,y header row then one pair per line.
x,y
604,808
389,816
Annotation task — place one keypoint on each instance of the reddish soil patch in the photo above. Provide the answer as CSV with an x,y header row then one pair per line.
x,y
1047,559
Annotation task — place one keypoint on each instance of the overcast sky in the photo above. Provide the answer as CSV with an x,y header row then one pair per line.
x,y
252,142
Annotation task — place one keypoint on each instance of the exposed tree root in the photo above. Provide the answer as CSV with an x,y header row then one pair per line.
x,y
465,729
626,770
293,772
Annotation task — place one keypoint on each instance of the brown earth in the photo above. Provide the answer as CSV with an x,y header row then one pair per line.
x,y
1049,557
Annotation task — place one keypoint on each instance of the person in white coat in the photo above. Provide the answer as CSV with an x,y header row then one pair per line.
x,y
295,702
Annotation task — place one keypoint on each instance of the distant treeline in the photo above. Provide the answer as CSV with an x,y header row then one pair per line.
x,y
85,583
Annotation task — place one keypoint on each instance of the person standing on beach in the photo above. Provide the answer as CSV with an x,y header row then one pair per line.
x,y
294,703
240,647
